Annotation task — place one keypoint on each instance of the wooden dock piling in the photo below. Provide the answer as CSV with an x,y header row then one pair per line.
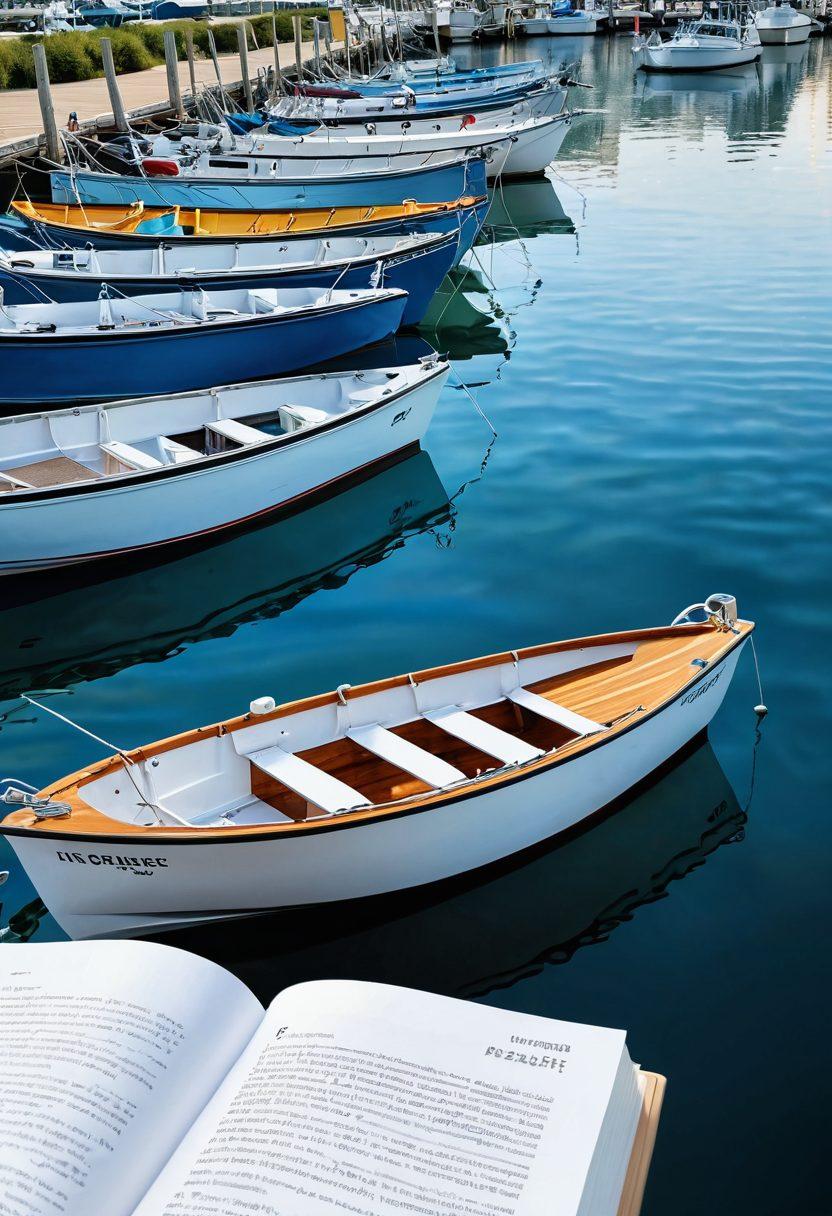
x,y
119,114
242,43
189,51
171,62
298,53
54,147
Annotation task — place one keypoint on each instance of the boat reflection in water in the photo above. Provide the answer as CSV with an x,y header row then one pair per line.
x,y
522,210
131,617
454,937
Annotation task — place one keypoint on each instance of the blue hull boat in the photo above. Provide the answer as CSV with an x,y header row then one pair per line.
x,y
431,184
67,353
18,233
417,271
500,75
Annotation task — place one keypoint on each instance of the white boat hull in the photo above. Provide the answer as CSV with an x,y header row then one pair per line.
x,y
790,36
551,27
518,146
670,58
100,877
200,501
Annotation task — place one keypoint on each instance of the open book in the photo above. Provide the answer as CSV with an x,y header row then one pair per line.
x,y
139,1080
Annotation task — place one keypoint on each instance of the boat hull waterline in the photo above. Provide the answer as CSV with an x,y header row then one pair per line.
x,y
94,519
425,185
417,270
57,226
103,364
187,876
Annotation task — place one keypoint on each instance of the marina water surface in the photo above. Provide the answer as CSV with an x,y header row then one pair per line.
x,y
648,332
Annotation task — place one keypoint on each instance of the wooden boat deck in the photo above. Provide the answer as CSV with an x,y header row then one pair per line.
x,y
614,693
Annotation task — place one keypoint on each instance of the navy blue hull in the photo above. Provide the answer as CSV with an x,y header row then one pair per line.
x,y
42,369
418,274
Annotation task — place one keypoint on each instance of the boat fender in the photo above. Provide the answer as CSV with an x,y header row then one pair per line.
x,y
262,705
157,166
468,120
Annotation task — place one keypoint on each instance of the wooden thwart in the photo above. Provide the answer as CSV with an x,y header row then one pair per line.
x,y
406,755
479,734
305,779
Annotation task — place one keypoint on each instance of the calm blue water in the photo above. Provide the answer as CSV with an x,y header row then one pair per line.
x,y
649,335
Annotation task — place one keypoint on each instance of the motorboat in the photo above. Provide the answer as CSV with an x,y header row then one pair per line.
x,y
557,19
143,345
781,25
701,46
375,787
416,264
90,482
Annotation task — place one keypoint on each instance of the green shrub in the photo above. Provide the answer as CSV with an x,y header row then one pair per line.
x,y
76,55
68,57
17,65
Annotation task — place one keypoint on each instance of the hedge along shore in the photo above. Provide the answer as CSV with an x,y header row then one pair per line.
x,y
137,46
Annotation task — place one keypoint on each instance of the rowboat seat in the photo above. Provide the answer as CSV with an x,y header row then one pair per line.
x,y
545,708
177,453
305,779
130,457
237,432
54,471
296,417
482,735
405,755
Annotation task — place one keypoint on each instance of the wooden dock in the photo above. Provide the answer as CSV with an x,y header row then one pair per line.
x,y
143,93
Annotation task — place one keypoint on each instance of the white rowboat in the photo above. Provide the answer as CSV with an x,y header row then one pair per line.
x,y
374,788
94,481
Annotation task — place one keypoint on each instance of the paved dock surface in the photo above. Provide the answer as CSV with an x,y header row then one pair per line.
x,y
20,117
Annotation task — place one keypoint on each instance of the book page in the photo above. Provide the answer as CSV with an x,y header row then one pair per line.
x,y
108,1052
375,1101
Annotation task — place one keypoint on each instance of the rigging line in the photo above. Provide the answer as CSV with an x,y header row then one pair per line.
x,y
62,718
473,400
129,763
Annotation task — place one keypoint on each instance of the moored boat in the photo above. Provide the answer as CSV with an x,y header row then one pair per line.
x,y
128,226
556,19
239,184
93,481
378,787
519,143
426,76
701,46
416,264
142,345
779,24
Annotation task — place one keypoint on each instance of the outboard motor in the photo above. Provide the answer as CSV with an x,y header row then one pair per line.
x,y
720,609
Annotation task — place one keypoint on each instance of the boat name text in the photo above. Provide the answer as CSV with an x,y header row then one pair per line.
x,y
123,863
699,692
